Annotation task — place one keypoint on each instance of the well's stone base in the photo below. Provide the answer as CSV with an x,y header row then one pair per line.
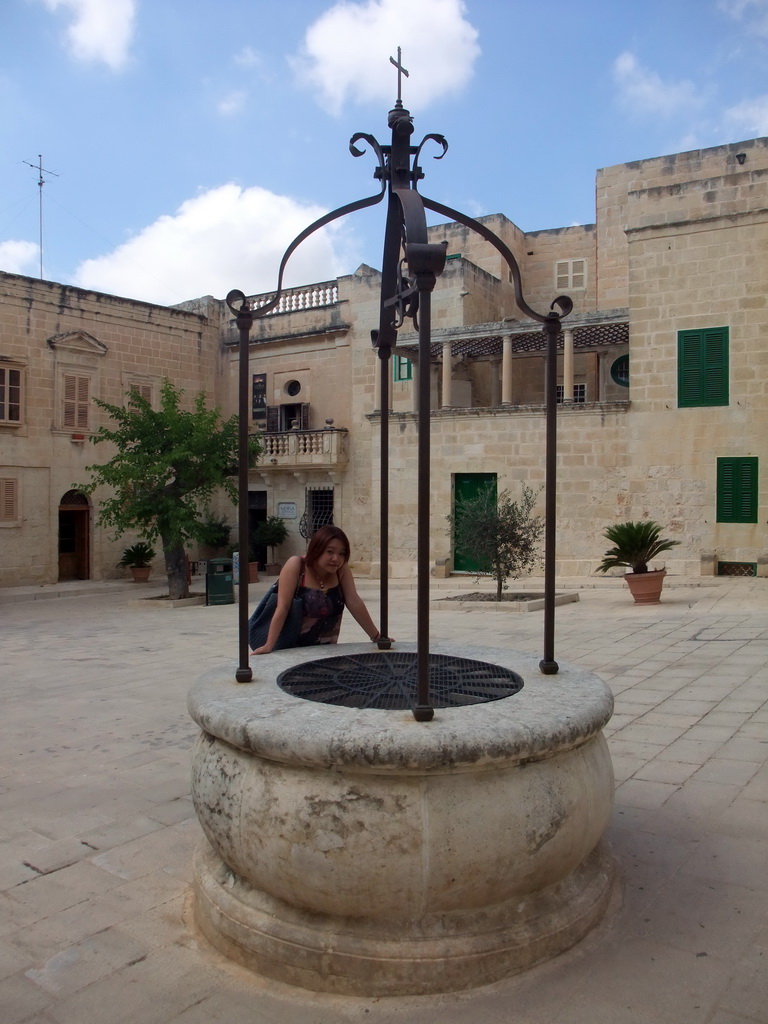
x,y
358,851
435,953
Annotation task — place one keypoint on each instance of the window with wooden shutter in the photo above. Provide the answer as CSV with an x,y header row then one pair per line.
x,y
9,500
76,401
273,419
402,368
737,490
702,367
570,275
11,381
144,388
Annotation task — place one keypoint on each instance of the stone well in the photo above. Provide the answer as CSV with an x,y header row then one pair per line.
x,y
362,852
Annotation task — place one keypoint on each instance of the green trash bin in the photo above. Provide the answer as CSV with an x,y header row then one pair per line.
x,y
219,582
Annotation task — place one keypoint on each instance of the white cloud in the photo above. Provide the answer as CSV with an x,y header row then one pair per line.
x,y
100,30
754,12
248,58
233,103
345,53
751,116
645,92
225,238
19,257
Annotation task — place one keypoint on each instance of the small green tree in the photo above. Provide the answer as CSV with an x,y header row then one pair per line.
x,y
499,533
167,464
272,532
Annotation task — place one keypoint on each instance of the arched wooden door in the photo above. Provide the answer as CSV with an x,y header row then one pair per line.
x,y
74,536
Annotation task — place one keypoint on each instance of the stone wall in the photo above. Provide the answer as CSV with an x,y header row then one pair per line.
x,y
679,241
50,331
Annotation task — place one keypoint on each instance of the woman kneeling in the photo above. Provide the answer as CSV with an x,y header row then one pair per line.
x,y
325,586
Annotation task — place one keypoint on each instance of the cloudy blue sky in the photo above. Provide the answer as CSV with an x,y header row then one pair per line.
x,y
187,141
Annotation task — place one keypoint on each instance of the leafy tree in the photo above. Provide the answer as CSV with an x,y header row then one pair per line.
x,y
501,534
168,463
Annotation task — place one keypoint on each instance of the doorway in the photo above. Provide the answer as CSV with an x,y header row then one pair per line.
x,y
467,486
257,513
74,537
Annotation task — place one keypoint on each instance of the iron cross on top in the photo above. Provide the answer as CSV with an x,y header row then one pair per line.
x,y
400,72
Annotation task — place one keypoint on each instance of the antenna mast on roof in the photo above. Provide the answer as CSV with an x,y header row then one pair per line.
x,y
40,182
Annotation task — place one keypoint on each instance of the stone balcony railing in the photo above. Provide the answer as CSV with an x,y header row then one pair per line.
x,y
293,300
321,449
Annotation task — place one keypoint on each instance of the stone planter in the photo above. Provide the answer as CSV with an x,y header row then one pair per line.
x,y
357,851
645,587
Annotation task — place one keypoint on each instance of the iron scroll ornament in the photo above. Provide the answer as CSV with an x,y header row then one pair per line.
x,y
410,267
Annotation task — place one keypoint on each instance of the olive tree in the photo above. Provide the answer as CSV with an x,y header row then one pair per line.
x,y
502,535
168,463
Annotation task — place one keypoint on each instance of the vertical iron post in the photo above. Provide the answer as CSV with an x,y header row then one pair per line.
x,y
423,712
425,262
403,296
383,353
548,665
244,321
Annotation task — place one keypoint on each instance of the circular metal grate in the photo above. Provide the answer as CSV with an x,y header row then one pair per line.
x,y
387,680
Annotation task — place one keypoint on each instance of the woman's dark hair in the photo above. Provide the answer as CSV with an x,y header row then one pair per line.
x,y
320,541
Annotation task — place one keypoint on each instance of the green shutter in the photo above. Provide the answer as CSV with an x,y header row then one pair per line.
x,y
737,490
702,367
402,368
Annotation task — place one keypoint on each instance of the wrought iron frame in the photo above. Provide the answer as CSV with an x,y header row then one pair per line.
x,y
411,265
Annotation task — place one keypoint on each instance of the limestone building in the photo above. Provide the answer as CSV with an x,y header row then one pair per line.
x,y
662,380
61,347
662,375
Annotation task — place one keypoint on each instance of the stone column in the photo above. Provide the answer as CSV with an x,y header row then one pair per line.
x,y
506,370
414,383
567,366
376,381
447,376
495,383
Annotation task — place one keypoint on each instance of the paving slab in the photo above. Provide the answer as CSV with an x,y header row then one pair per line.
x,y
97,829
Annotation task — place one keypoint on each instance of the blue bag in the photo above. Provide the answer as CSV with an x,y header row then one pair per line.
x,y
259,622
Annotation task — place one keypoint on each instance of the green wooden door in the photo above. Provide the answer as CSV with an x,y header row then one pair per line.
x,y
465,487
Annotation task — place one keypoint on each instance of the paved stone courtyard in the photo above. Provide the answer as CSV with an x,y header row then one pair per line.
x,y
97,828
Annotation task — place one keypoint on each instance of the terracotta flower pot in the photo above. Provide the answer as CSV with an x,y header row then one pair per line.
x,y
140,573
645,587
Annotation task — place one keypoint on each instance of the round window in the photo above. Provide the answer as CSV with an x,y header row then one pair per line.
x,y
620,371
293,387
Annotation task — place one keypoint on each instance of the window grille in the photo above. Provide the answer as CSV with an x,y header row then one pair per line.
x,y
318,510
737,568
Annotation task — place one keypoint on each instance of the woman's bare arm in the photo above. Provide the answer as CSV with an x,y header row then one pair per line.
x,y
356,605
286,588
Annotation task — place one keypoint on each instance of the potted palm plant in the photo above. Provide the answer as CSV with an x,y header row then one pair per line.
x,y
272,532
138,558
635,544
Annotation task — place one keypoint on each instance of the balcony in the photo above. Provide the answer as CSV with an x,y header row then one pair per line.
x,y
296,300
304,449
